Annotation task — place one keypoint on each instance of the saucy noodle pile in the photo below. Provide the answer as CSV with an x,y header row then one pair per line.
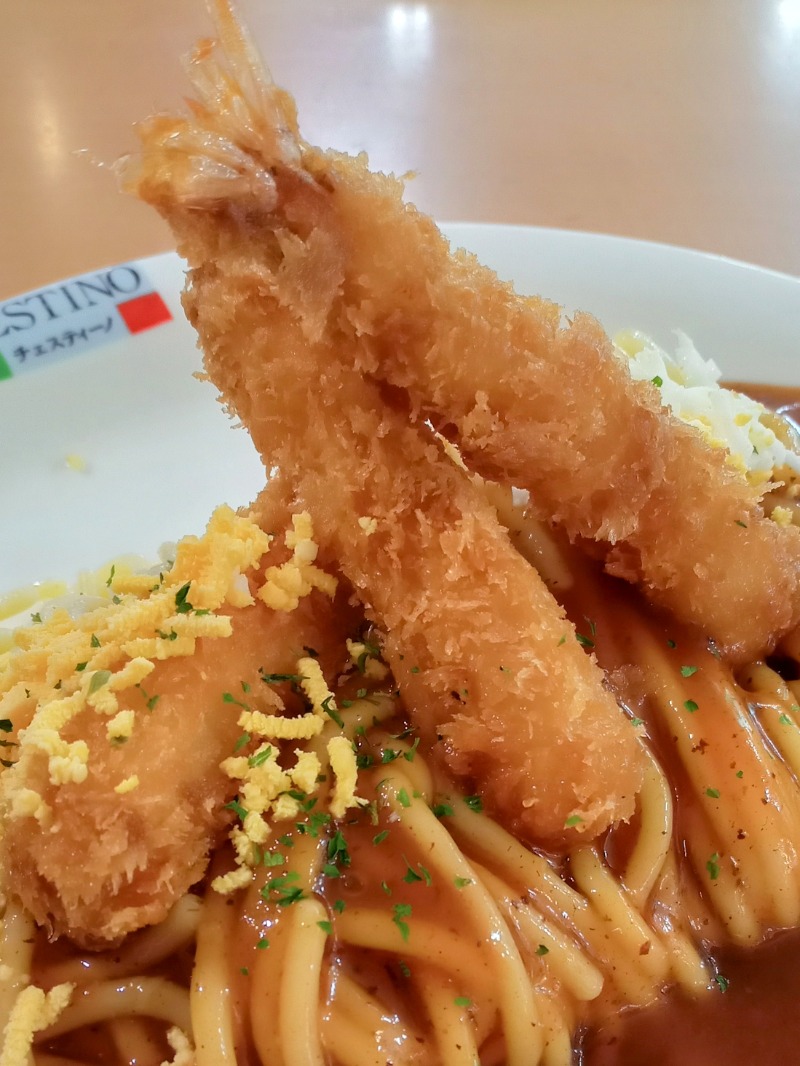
x,y
479,727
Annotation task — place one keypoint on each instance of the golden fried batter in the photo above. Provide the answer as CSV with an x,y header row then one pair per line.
x,y
484,657
545,406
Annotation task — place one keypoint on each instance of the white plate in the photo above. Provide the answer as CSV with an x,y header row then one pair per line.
x,y
160,454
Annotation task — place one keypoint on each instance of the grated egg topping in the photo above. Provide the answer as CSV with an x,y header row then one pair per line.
x,y
689,387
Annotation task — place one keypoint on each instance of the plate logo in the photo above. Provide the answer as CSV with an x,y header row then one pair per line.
x,y
55,323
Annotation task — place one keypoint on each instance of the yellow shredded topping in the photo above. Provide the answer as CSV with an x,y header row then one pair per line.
x,y
33,1010
345,769
62,665
127,785
285,585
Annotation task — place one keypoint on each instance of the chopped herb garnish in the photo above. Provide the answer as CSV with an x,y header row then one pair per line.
x,y
263,944
411,874
543,949
404,968
389,755
244,971
337,849
586,642
414,669
690,706
402,798
273,858
330,870
380,837
36,618
361,693
242,742
637,721
99,678
6,725
723,982
284,890
172,635
326,927
402,911
182,605
276,679
339,906
81,666
228,697
95,641
574,819
657,381
713,793
412,751
475,803
462,882
111,573
712,865
364,760
462,1001
260,757
442,810
784,719
329,708
740,773
562,641
687,671
740,523
237,809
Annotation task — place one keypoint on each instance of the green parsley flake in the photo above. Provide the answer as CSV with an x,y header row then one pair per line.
x,y
543,949
99,678
329,708
442,810
182,605
740,773
111,573
784,719
6,725
36,618
586,642
401,912
81,666
657,381
242,742
273,858
326,927
95,641
411,874
402,798
380,837
712,865
263,944
713,793
690,705
687,671
260,757
475,803
637,721
462,882
339,906
462,1001
337,849
574,819
723,982
404,968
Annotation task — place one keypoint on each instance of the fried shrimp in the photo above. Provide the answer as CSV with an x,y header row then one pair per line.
x,y
487,664
122,718
547,407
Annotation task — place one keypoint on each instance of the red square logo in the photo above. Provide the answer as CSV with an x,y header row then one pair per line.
x,y
144,312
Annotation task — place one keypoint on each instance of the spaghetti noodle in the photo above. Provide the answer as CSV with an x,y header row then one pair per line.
x,y
419,930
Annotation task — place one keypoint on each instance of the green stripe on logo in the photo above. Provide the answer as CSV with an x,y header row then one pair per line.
x,y
5,369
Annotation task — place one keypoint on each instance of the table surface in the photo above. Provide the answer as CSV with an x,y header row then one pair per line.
x,y
674,120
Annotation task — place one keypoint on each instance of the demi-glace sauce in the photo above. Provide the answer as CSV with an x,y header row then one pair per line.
x,y
756,1021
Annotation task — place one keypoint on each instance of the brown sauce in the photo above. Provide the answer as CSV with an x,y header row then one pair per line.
x,y
756,1021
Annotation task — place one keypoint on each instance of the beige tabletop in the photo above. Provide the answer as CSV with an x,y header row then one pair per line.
x,y
670,120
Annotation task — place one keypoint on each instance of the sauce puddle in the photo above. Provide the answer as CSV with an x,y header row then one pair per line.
x,y
756,1021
